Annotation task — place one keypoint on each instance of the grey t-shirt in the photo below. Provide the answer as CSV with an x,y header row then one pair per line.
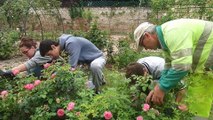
x,y
37,60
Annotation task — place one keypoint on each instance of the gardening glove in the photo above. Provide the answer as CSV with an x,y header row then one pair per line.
x,y
1,72
10,74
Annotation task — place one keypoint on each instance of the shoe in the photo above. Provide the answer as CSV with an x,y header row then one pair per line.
x,y
103,83
90,85
97,92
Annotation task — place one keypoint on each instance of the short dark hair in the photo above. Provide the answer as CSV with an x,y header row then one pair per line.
x,y
134,69
45,46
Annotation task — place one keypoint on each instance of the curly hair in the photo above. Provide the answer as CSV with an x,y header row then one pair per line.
x,y
27,42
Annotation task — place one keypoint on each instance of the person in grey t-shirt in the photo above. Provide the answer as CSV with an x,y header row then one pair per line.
x,y
36,62
80,50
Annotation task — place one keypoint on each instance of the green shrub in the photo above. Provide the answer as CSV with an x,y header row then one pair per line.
x,y
97,36
8,45
125,54
56,92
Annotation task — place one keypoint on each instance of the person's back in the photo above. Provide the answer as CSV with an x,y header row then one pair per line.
x,y
187,46
191,37
80,49
154,65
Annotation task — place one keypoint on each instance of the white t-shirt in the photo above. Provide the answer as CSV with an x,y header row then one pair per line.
x,y
154,65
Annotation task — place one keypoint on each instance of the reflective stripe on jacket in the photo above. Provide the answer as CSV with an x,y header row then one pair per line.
x,y
187,44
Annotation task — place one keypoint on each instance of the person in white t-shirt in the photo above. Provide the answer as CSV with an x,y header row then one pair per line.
x,y
153,66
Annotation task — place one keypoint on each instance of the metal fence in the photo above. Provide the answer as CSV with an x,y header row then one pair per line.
x,y
105,3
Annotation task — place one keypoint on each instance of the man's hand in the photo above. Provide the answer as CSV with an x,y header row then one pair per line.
x,y
149,97
158,95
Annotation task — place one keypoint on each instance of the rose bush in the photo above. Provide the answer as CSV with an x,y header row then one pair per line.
x,y
66,97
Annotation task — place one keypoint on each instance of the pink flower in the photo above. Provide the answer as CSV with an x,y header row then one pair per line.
x,y
139,118
29,86
60,112
107,115
4,94
37,82
46,65
183,107
71,106
146,107
53,75
77,113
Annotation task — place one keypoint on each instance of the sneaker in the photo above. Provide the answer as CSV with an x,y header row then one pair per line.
x,y
90,85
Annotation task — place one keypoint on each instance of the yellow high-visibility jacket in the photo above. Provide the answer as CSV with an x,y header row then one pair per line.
x,y
187,44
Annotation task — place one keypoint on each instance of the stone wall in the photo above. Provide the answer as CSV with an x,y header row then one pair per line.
x,y
116,20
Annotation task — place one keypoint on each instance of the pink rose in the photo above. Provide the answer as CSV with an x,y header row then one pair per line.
x,y
107,115
77,113
29,86
183,107
139,118
53,75
37,82
15,72
60,112
4,94
146,107
71,106
46,65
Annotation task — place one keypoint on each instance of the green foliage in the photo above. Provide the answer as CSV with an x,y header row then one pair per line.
x,y
165,10
97,37
76,12
53,93
45,98
109,100
87,14
167,111
8,45
125,55
14,12
24,13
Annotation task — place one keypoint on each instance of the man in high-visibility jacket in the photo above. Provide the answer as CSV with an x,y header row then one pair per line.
x,y
187,46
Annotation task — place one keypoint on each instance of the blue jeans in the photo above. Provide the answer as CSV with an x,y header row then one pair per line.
x,y
36,71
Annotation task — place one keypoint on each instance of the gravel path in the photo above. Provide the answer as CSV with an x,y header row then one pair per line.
x,y
13,62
